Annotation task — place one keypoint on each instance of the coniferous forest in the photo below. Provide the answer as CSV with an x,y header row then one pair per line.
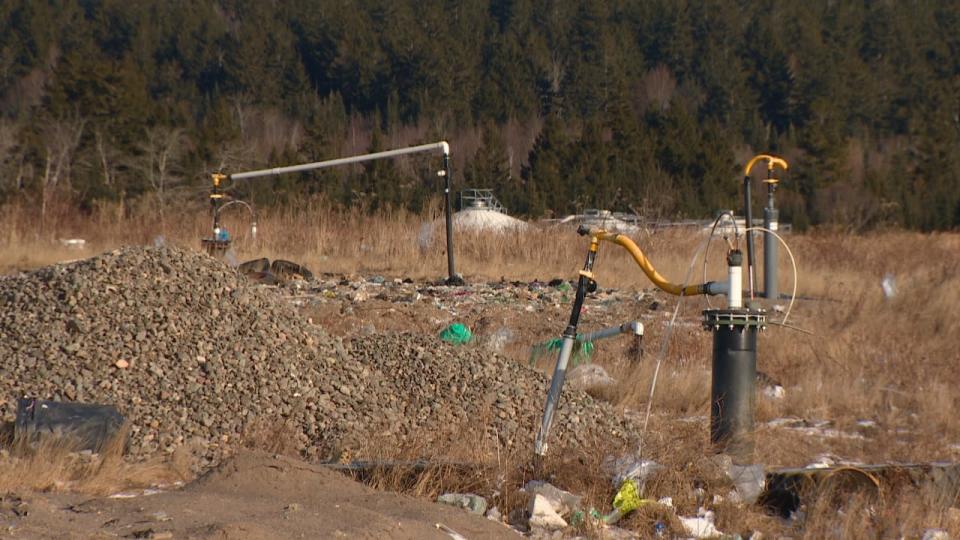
x,y
645,105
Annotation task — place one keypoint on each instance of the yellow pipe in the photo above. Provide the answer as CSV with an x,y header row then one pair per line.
x,y
646,266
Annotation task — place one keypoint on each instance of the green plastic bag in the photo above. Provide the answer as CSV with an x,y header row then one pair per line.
x,y
456,333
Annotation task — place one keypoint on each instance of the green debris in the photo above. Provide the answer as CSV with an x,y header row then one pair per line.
x,y
456,333
582,351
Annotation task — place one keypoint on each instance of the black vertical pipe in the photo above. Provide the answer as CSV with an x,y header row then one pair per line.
x,y
748,213
452,277
733,388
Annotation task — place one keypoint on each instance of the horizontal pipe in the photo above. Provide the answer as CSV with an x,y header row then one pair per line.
x,y
442,146
632,327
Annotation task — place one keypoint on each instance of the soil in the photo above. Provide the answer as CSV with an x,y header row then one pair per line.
x,y
250,496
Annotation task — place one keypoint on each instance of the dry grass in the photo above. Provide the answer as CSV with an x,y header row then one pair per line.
x,y
891,362
56,465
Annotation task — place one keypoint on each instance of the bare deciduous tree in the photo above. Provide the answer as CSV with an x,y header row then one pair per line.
x,y
107,155
162,148
658,86
61,138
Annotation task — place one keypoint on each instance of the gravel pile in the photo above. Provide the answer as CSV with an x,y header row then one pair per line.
x,y
193,353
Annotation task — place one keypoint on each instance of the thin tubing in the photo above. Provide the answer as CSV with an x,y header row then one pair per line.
x,y
664,345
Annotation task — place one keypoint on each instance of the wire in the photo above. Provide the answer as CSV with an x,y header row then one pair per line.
x,y
706,252
664,345
793,262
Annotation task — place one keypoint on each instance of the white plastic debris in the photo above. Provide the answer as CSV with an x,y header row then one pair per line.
x,y
775,392
73,243
701,526
935,534
631,468
889,286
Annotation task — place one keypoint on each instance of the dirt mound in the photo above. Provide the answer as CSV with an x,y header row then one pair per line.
x,y
192,353
253,496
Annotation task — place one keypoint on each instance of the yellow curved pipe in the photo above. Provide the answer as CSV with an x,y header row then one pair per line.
x,y
772,161
647,267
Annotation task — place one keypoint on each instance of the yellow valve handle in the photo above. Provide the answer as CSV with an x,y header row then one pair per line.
x,y
217,178
772,162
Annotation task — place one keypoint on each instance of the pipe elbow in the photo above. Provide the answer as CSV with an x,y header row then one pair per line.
x,y
445,147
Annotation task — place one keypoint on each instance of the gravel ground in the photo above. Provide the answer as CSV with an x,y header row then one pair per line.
x,y
193,353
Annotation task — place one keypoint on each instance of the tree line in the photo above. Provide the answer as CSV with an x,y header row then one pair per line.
x,y
558,105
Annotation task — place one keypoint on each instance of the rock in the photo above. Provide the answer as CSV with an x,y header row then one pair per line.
x,y
562,502
935,534
589,376
191,350
494,514
474,504
543,515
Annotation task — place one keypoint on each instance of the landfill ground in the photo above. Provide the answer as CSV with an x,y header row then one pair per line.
x,y
859,376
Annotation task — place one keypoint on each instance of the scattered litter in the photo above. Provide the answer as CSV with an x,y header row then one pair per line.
x,y
935,534
498,340
474,504
626,500
450,532
749,480
816,428
889,286
775,392
494,514
456,333
89,426
701,526
631,467
73,243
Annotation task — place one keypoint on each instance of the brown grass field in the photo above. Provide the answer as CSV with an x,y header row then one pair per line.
x,y
859,357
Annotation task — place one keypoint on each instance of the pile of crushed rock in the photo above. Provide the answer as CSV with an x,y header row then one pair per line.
x,y
193,353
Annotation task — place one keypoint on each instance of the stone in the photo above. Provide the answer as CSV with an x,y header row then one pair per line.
x,y
589,376
563,502
543,515
474,504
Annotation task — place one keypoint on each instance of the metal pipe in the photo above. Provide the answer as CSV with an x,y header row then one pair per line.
x,y
632,327
734,374
748,213
771,247
443,146
584,284
772,163
452,277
